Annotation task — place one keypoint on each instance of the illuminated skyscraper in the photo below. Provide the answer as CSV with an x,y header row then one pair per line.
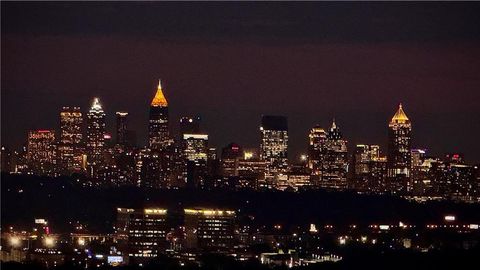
x,y
70,148
316,149
41,151
158,121
399,156
368,169
122,128
335,162
195,146
274,144
95,144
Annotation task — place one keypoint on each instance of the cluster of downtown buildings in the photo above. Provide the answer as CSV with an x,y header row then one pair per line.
x,y
187,160
145,235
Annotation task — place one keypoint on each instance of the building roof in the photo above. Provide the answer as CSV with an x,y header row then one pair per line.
x,y
400,116
159,100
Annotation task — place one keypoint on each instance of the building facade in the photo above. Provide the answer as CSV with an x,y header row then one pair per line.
x,y
158,134
70,147
274,146
399,155
335,161
95,141
41,152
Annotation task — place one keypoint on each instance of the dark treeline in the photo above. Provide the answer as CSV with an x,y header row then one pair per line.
x,y
61,200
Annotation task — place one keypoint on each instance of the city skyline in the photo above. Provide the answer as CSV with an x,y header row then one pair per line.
x,y
173,128
240,135
244,72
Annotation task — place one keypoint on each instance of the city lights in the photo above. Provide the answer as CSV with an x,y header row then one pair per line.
x,y
449,218
49,242
15,241
280,136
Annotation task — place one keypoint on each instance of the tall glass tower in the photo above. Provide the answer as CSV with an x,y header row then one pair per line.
x,y
95,144
158,137
399,155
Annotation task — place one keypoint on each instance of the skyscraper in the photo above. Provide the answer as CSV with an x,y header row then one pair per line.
x,y
41,151
274,144
398,155
122,128
70,148
95,145
158,121
368,167
316,149
335,163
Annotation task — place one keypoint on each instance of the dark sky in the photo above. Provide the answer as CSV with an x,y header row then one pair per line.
x,y
232,62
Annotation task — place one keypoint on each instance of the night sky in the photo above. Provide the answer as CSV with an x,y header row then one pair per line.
x,y
233,62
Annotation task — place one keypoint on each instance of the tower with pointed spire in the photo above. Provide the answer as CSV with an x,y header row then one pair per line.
x,y
335,160
158,135
398,152
95,141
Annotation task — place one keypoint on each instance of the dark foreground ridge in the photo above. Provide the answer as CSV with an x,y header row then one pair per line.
x,y
59,200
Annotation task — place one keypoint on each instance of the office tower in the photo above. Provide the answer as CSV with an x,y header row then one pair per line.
x,y
415,183
274,144
70,146
231,154
95,143
365,165
122,128
399,156
209,229
195,147
335,163
454,180
41,151
190,125
158,121
145,230
316,151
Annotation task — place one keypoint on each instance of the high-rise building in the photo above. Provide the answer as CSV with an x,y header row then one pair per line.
x,y
274,144
95,143
335,161
70,146
145,230
398,155
41,151
195,146
417,172
209,229
195,155
158,121
122,128
316,151
365,168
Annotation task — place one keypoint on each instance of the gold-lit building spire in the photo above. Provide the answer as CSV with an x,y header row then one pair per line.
x,y
400,117
159,100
